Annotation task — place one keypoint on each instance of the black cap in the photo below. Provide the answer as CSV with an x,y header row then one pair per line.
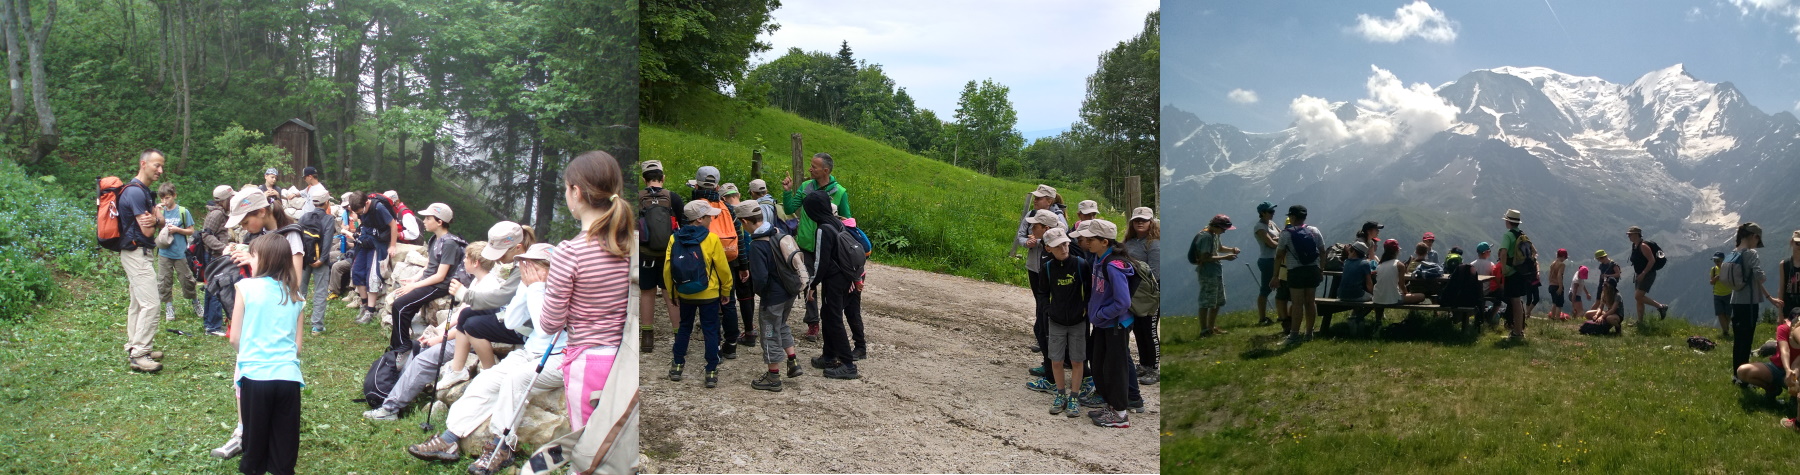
x,y
1367,225
1298,211
309,171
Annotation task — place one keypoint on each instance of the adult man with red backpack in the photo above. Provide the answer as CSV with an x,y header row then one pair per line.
x,y
656,223
126,221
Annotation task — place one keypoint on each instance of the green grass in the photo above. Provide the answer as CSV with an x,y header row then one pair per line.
x,y
1427,397
69,404
921,213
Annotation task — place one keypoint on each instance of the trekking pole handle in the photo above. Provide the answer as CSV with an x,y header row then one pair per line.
x,y
546,358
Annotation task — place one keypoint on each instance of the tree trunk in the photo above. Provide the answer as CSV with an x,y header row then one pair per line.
x,y
40,94
9,25
427,159
547,189
380,77
187,90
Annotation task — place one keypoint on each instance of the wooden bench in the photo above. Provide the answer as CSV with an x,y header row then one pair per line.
x,y
1330,305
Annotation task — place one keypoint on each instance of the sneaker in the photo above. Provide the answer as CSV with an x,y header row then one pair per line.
x,y
729,351
1093,400
859,353
451,378
1072,407
822,362
768,382
492,461
1112,419
217,333
794,368
712,379
435,449
232,447
169,312
1265,321
1061,402
1040,372
145,364
333,296
1097,412
1293,339
199,309
842,372
1517,336
1042,385
675,372
749,338
812,332
381,414
1087,385
1148,376
365,317
1135,406
317,329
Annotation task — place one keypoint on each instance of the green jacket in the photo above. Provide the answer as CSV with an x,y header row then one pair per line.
x,y
803,234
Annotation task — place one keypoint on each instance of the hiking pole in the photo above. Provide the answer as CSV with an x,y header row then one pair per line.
x,y
525,399
435,373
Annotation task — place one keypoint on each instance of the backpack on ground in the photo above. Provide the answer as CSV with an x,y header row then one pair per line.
x,y
725,227
1146,298
1656,252
849,254
1594,328
382,375
656,220
1333,259
109,225
1701,343
315,228
1305,245
767,250
688,268
1734,272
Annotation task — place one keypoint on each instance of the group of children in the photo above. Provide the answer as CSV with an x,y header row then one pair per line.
x,y
1084,278
723,254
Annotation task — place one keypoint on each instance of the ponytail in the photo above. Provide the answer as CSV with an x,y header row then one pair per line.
x,y
613,230
530,237
596,175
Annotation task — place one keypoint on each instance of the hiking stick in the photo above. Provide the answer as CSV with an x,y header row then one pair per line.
x,y
525,399
437,372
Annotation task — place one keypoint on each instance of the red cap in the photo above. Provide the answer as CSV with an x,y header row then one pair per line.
x,y
1428,237
1562,253
1222,222
1391,244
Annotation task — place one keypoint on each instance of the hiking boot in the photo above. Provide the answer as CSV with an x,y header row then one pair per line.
x,y
435,449
216,333
1148,376
381,414
1112,419
822,362
233,446
1663,312
749,338
812,332
333,296
794,368
768,382
492,460
1093,400
842,372
169,312
366,316
1072,407
1135,406
451,378
156,355
1040,372
860,353
729,351
712,379
1042,385
675,372
145,364
1060,403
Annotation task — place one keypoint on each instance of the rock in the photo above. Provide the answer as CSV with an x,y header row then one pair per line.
x,y
546,418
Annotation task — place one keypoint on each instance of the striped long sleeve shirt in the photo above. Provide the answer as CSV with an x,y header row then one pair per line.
x,y
587,292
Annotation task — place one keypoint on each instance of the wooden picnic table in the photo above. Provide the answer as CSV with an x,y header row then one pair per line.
x,y
1330,305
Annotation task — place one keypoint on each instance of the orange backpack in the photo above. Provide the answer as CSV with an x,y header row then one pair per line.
x,y
107,222
725,227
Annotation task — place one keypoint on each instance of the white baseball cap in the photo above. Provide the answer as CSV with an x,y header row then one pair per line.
x,y
1056,237
243,203
502,237
223,192
1087,207
439,210
320,196
1096,228
697,209
538,252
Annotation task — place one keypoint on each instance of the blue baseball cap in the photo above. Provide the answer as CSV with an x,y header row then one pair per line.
x,y
1483,247
1265,207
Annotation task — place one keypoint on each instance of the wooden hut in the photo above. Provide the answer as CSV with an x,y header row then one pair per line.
x,y
296,136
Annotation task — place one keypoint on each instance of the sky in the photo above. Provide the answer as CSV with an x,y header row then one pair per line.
x,y
1043,50
1246,63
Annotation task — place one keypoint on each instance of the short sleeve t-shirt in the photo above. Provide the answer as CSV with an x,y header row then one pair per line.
x,y
1274,232
1748,296
1294,263
447,249
134,200
180,218
1510,243
1208,244
1351,287
1782,332
1720,288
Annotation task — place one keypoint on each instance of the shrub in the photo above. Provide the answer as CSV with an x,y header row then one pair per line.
x,y
41,230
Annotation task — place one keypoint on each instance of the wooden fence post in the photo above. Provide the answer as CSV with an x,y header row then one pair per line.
x,y
799,162
1133,194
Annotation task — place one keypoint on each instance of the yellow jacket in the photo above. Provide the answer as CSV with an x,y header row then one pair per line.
x,y
718,269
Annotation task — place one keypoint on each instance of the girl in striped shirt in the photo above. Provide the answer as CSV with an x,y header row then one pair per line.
x,y
588,287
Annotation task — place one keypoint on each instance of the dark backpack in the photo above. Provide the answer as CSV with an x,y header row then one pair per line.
x,y
687,267
198,256
1701,343
850,254
1334,257
315,232
1594,328
382,233
1305,245
767,260
1656,252
382,375
1463,290
221,275
656,213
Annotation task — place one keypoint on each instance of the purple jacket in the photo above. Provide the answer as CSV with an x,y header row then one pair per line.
x,y
1110,303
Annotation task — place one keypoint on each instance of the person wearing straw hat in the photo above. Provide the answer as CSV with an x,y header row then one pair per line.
x,y
1206,252
1143,240
1518,266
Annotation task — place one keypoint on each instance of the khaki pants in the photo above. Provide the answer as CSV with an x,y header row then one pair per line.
x,y
141,319
168,271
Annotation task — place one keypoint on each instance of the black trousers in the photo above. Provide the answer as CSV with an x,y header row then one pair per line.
x,y
1040,326
1743,333
834,291
1148,343
271,414
853,315
728,314
812,306
746,300
1112,363
404,309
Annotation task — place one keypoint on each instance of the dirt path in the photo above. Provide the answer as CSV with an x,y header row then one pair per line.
x,y
943,391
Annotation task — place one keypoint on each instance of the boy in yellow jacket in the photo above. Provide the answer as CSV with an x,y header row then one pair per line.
x,y
699,281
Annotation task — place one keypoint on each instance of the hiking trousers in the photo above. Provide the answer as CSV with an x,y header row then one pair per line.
x,y
853,316
171,273
314,283
1112,362
709,330
141,317
729,313
423,370
494,395
834,291
1743,333
1040,326
1149,345
746,302
270,411
777,336
812,306
404,309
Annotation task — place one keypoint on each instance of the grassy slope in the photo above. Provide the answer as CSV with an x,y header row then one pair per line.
x,y
952,220
1427,398
68,404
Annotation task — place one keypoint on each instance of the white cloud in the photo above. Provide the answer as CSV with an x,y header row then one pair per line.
x,y
1694,14
1797,105
1783,61
1393,111
1417,19
1785,9
1242,96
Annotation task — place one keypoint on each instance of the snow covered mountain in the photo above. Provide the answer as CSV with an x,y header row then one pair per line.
x,y
1581,157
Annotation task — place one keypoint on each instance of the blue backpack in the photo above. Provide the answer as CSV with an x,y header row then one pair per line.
x,y
1306,248
687,267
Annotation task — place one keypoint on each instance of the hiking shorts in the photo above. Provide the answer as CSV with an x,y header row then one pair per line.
x,y
1212,291
1265,271
1644,284
1721,305
1556,296
650,271
1068,343
1779,376
1304,277
1516,287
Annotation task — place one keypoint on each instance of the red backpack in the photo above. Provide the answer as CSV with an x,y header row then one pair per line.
x,y
109,226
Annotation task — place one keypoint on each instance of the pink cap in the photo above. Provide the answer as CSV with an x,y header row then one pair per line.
x,y
1581,273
